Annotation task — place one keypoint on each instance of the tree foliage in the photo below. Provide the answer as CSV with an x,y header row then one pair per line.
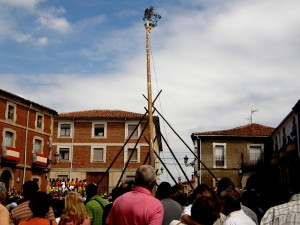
x,y
151,17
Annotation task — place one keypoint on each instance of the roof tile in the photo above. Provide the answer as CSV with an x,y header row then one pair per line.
x,y
104,114
252,129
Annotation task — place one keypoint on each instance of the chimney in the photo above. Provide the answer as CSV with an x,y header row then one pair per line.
x,y
193,177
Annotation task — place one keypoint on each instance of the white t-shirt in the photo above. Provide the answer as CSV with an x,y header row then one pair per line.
x,y
187,210
177,222
238,218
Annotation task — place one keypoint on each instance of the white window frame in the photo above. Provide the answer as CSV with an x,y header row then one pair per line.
x,y
7,111
63,148
42,122
105,129
13,138
42,144
129,177
126,156
59,129
104,154
256,145
127,132
214,160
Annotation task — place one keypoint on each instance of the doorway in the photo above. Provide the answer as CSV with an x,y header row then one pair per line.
x,y
5,178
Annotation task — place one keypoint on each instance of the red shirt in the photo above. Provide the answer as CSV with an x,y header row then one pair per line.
x,y
37,221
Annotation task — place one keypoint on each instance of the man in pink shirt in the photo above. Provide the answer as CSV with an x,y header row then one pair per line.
x,y
138,207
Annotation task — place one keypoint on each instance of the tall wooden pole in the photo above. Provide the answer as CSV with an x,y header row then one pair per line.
x,y
149,88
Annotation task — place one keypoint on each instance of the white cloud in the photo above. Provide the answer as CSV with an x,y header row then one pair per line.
x,y
21,38
43,41
49,20
29,4
14,12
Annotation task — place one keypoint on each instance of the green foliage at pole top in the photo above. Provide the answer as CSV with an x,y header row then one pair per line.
x,y
151,17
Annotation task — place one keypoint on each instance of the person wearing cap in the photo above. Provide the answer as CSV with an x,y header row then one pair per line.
x,y
22,211
4,214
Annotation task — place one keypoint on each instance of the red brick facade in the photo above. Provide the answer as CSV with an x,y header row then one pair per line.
x,y
26,131
82,142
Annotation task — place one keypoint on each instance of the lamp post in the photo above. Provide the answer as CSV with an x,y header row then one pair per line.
x,y
185,160
161,171
56,157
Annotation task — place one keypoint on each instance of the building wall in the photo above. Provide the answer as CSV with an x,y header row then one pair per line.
x,y
236,149
286,155
22,170
81,164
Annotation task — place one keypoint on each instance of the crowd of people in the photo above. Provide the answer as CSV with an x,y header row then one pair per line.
x,y
136,204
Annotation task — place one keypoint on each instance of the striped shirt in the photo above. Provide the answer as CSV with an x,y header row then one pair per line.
x,y
23,212
285,214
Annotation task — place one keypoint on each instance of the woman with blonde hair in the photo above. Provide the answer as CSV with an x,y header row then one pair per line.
x,y
74,211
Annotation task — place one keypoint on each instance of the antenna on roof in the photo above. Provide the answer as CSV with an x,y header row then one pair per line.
x,y
252,111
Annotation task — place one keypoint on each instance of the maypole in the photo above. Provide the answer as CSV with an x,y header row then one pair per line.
x,y
151,21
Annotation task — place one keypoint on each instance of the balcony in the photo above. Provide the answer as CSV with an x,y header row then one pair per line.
x,y
39,160
290,148
10,155
251,162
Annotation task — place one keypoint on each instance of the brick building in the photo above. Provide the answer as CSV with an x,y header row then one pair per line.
x,y
87,142
236,153
26,131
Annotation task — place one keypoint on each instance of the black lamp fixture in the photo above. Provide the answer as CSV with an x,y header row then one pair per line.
x,y
56,157
185,160
161,170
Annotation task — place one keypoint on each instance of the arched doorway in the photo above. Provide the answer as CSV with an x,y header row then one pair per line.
x,y
5,178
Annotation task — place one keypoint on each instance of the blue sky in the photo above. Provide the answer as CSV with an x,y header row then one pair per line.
x,y
214,60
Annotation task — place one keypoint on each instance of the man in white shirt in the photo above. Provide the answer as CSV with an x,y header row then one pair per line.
x,y
232,209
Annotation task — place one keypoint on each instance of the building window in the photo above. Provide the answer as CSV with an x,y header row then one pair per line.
x,y
130,178
37,146
131,130
99,129
39,121
9,139
219,155
135,156
65,130
64,153
11,111
98,154
256,153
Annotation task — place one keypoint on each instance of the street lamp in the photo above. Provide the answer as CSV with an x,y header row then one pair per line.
x,y
161,171
56,157
185,160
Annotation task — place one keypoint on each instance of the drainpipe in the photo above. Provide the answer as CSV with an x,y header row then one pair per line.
x,y
71,164
199,154
25,147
